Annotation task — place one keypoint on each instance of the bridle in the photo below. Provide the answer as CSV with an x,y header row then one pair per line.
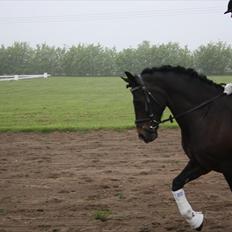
x,y
149,111
148,104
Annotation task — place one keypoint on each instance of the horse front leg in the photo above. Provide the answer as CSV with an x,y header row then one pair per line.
x,y
190,172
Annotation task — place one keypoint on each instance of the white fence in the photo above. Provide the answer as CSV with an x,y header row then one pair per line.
x,y
22,77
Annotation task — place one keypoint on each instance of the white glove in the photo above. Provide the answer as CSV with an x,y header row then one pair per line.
x,y
228,89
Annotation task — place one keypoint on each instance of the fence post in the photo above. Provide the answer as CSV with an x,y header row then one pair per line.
x,y
45,75
16,77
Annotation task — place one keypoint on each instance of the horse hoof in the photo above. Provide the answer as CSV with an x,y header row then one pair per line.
x,y
197,221
200,227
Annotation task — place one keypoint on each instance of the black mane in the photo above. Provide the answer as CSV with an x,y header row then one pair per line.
x,y
179,69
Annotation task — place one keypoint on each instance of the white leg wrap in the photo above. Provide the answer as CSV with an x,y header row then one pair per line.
x,y
195,219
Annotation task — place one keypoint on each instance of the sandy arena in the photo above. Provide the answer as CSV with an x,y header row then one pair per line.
x,y
61,182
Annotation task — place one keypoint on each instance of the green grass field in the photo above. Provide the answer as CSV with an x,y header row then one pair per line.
x,y
68,104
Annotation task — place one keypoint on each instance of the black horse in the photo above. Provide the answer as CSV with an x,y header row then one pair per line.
x,y
204,115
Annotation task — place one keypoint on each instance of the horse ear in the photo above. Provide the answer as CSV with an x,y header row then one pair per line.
x,y
125,79
130,76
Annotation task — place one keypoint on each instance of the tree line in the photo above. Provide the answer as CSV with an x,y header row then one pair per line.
x,y
97,60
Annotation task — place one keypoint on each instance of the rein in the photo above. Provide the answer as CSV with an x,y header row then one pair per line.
x,y
171,117
151,117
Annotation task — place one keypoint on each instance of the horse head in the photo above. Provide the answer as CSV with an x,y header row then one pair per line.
x,y
148,109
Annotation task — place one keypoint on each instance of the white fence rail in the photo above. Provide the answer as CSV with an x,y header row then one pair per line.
x,y
22,77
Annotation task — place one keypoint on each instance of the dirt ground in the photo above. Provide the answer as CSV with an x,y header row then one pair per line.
x,y
62,182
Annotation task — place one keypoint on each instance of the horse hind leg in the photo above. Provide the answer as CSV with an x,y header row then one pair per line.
x,y
190,172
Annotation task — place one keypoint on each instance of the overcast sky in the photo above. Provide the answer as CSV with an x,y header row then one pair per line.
x,y
119,24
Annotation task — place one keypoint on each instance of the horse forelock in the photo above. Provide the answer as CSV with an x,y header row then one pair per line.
x,y
188,73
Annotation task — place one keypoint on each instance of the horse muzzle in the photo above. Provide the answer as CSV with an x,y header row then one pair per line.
x,y
147,134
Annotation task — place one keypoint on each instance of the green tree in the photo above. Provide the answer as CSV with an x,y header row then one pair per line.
x,y
213,58
89,60
171,54
16,59
96,60
48,59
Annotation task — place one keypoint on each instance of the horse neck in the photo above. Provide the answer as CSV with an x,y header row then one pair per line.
x,y
184,93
